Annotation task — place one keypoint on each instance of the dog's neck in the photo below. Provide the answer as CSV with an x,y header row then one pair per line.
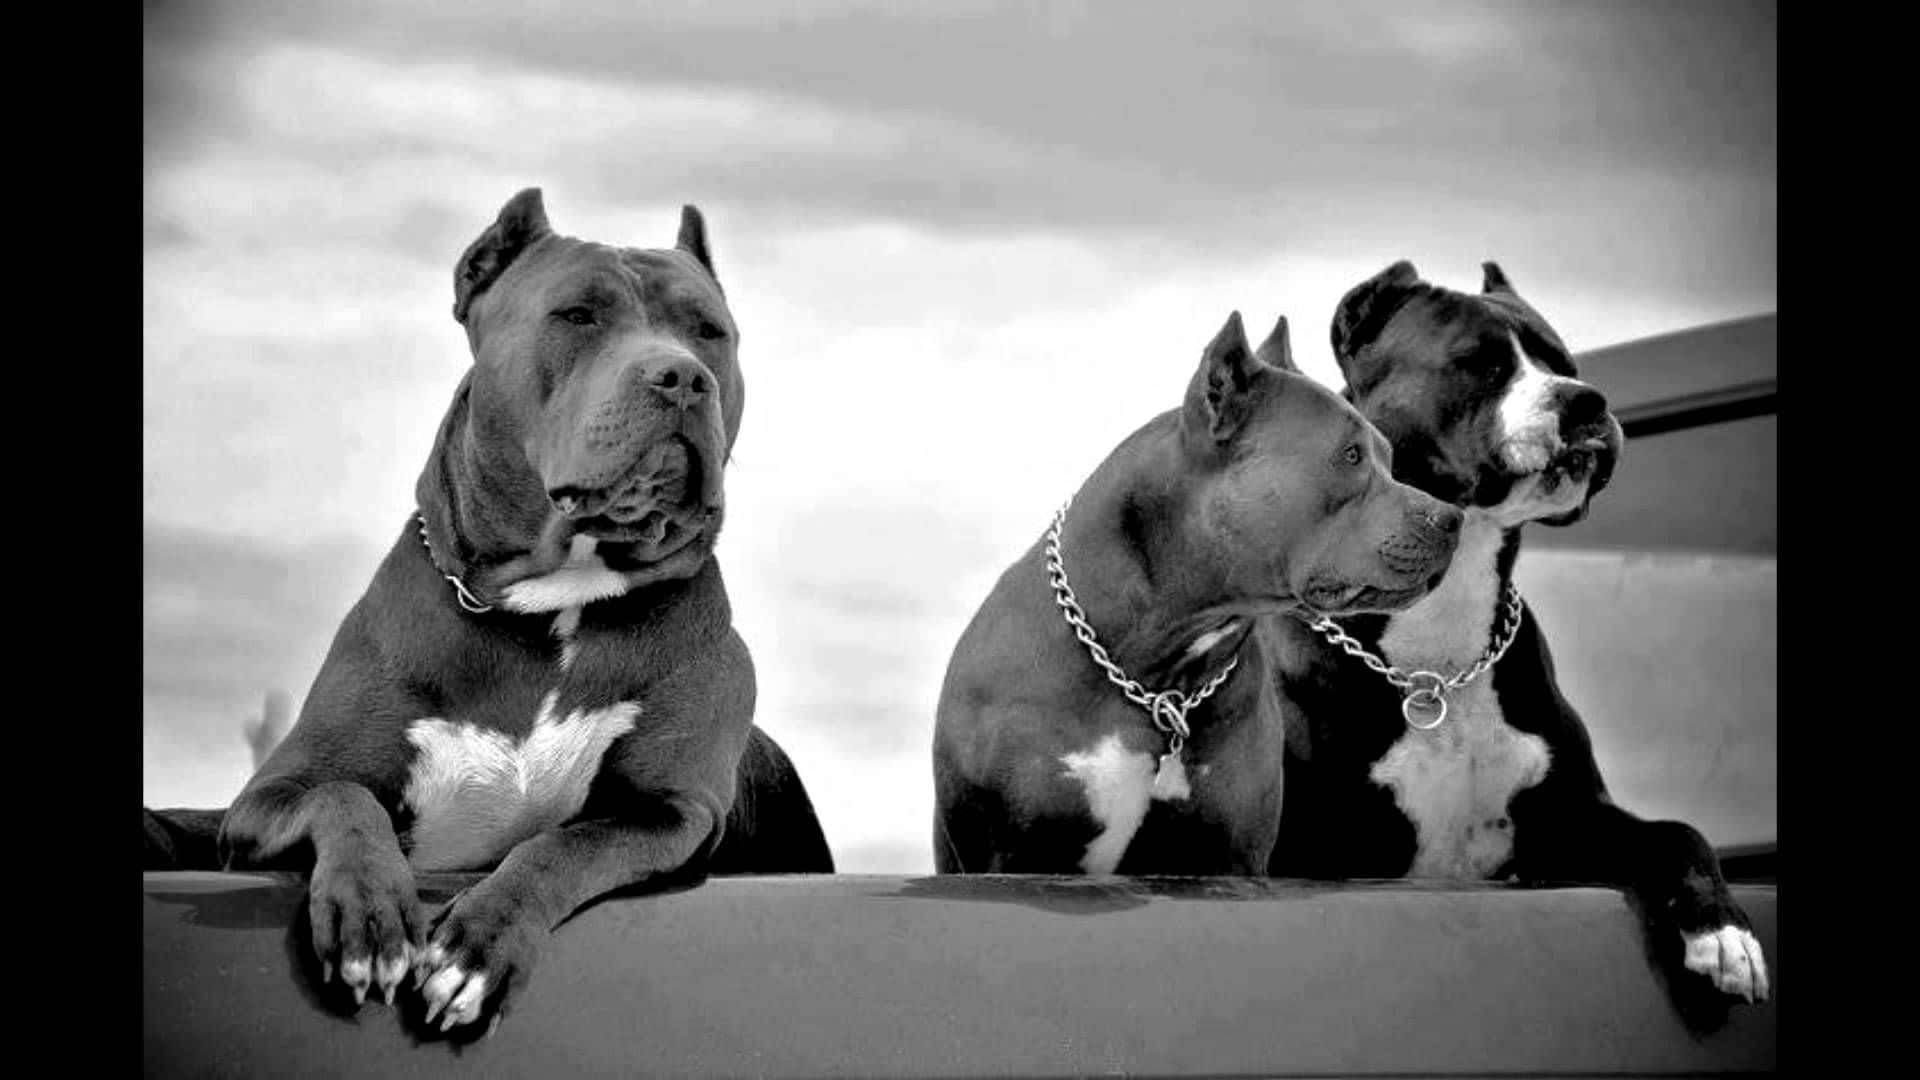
x,y
1157,610
1449,628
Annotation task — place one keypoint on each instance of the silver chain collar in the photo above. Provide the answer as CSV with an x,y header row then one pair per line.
x,y
1168,708
468,601
1426,691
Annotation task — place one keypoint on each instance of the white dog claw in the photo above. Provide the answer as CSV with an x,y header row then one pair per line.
x,y
357,973
440,989
465,1007
392,971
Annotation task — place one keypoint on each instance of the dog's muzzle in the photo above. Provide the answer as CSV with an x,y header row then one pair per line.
x,y
1569,438
643,463
1426,541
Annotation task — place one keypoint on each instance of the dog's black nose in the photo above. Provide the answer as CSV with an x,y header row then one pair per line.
x,y
685,383
1581,409
1444,518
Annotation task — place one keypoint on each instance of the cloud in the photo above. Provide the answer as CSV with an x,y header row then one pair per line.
x,y
1212,126
225,619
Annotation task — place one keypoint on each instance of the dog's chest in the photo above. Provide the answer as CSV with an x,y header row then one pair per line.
x,y
1455,782
476,792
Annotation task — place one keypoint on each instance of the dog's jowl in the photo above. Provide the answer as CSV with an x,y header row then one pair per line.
x,y
1108,709
1462,759
542,680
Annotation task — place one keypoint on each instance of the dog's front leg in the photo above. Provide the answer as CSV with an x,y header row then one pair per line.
x,y
1667,865
366,919
484,945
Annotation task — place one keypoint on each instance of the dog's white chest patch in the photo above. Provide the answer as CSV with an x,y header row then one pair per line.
x,y
475,793
1119,784
1455,782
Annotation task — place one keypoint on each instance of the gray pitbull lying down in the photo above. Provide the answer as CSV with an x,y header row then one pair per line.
x,y
542,679
1435,742
1111,709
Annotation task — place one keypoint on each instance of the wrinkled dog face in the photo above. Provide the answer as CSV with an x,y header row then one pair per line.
x,y
1296,486
1478,396
613,370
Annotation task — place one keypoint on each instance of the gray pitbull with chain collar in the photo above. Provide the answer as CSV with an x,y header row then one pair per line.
x,y
542,680
1108,709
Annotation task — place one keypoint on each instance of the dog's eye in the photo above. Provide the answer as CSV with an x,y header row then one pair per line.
x,y
577,315
710,330
1353,455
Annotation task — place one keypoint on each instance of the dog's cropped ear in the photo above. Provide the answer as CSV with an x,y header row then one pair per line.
x,y
1277,350
1220,397
1493,279
693,237
1364,311
522,221
1495,283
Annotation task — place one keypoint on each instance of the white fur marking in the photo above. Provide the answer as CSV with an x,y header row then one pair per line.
x,y
1529,426
476,793
1117,782
564,625
582,579
1529,438
1205,642
1455,781
1730,957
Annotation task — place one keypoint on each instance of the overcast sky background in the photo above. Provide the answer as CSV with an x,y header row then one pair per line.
x,y
969,246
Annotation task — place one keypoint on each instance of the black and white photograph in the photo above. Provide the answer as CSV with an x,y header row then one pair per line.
x,y
837,538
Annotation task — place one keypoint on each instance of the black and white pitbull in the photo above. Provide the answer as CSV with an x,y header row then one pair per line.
x,y
1471,764
543,678
1109,707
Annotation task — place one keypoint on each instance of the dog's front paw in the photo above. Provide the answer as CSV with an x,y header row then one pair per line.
x,y
1730,956
480,951
366,922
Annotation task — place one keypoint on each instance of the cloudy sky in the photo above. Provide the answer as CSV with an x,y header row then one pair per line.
x,y
969,245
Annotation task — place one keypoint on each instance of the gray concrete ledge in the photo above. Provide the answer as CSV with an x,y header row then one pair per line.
x,y
909,977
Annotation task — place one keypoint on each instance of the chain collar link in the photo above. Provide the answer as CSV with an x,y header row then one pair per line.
x,y
468,601
1168,708
1425,692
